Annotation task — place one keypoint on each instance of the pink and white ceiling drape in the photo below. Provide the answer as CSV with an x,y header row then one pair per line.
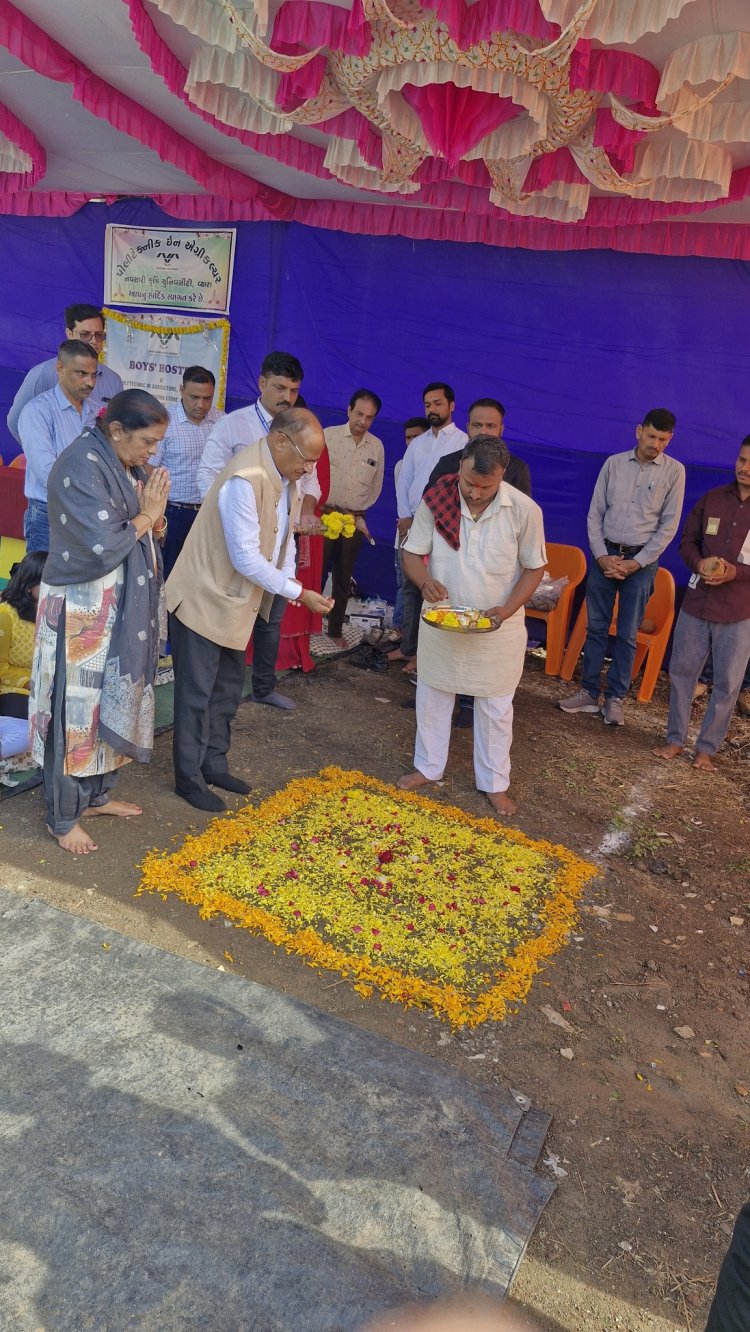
x,y
565,122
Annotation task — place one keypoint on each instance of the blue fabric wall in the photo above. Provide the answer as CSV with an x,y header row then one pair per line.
x,y
577,345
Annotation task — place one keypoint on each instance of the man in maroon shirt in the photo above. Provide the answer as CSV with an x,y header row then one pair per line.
x,y
715,614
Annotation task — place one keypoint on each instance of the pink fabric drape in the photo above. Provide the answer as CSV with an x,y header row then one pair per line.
x,y
619,142
44,203
298,85
351,124
454,209
455,119
559,165
20,134
39,52
620,72
307,26
664,238
468,24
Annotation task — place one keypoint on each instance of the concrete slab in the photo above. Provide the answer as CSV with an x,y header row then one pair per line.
x,y
183,1149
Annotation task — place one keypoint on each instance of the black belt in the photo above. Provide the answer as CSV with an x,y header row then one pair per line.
x,y
627,552
174,504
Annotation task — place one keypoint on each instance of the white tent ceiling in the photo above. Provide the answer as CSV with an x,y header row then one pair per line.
x,y
463,120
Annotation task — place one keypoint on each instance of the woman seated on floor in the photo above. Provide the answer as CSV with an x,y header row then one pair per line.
x,y
18,603
98,629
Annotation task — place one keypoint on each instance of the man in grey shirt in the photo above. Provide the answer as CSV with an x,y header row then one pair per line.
x,y
634,514
86,324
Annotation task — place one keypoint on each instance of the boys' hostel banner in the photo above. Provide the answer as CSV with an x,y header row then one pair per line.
x,y
152,351
167,267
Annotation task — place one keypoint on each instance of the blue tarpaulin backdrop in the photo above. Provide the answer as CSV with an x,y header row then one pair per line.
x,y
577,345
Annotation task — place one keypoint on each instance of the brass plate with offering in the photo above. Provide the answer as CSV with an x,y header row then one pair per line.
x,y
459,619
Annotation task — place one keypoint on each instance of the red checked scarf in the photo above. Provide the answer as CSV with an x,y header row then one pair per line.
x,y
444,502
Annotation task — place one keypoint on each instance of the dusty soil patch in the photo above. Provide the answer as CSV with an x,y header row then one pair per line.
x,y
652,1127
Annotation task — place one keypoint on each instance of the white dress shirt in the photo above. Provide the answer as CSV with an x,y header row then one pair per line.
x,y
239,518
417,464
234,432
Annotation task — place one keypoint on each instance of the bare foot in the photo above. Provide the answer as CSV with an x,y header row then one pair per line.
x,y
396,655
668,751
501,802
413,780
121,809
704,762
76,840
410,667
340,642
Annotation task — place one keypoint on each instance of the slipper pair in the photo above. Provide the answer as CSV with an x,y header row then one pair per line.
x,y
382,638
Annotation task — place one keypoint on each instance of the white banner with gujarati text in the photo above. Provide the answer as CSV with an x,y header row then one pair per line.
x,y
168,267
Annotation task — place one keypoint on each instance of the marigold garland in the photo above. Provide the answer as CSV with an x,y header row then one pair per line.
x,y
337,524
194,326
421,901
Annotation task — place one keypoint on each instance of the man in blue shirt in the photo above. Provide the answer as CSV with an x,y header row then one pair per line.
x,y
85,324
190,423
48,424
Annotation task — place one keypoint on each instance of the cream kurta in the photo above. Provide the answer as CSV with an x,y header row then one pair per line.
x,y
506,539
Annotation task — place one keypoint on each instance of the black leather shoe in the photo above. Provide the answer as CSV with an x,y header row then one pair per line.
x,y
228,782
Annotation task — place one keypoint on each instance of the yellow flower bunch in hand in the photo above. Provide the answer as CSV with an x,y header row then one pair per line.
x,y
337,524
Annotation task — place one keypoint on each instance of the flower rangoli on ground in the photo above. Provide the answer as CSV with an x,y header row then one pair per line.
x,y
410,898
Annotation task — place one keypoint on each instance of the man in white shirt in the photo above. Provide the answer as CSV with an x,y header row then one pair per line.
x,y
279,380
357,462
190,423
85,323
237,560
420,458
485,545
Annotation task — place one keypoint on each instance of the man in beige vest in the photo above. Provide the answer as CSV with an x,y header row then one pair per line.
x,y
238,556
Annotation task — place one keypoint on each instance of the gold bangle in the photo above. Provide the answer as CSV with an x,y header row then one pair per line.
x,y
142,514
162,531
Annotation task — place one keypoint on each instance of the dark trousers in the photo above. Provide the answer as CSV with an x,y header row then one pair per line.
x,y
179,522
412,611
340,557
14,705
266,637
730,1311
634,592
208,682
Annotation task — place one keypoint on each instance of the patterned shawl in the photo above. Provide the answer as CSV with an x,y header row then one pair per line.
x,y
91,500
444,502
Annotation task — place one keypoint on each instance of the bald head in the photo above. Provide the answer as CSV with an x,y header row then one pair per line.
x,y
296,441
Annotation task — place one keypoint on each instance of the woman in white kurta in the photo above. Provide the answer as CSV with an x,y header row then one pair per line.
x,y
497,566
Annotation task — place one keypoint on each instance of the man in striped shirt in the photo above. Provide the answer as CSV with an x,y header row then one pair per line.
x,y
180,451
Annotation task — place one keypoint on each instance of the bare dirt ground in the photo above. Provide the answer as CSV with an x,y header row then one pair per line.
x,y
651,1127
